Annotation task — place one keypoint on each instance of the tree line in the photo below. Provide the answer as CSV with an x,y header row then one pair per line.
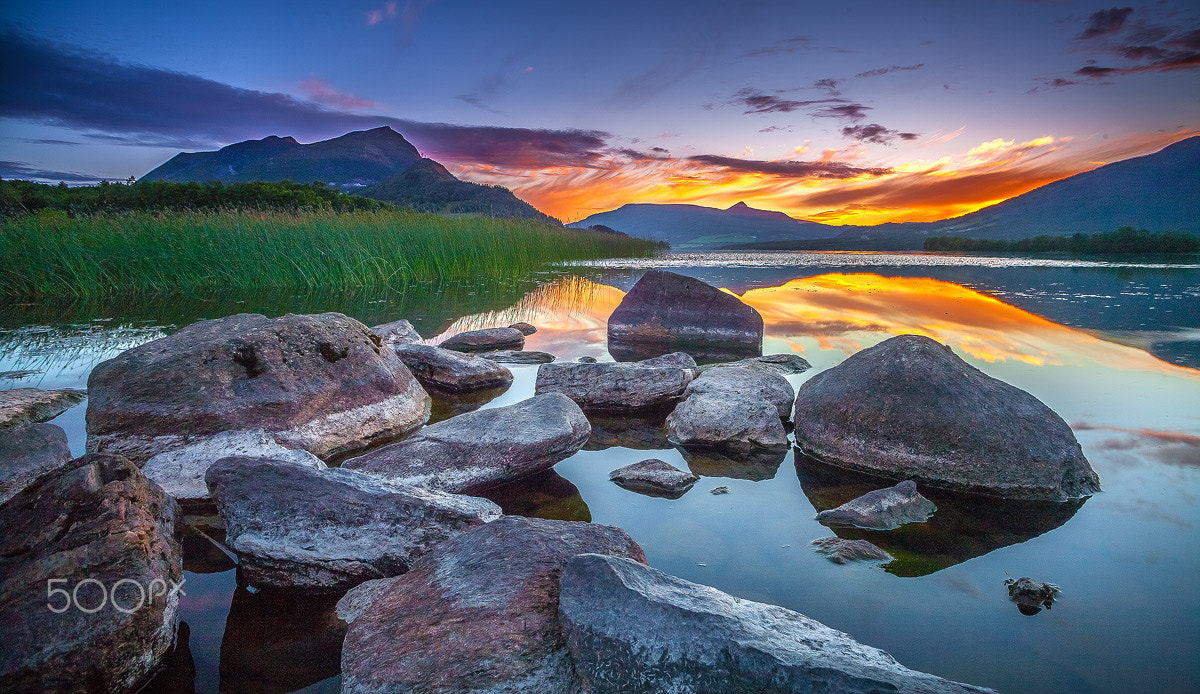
x,y
1125,240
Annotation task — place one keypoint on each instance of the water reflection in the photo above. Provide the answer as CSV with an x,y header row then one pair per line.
x,y
546,494
639,432
755,465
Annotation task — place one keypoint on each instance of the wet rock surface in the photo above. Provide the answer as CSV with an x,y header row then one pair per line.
x,y
654,477
399,332
318,382
294,526
28,451
614,387
782,364
487,340
474,451
908,408
518,356
1031,596
93,524
840,551
479,613
882,509
448,370
34,405
631,628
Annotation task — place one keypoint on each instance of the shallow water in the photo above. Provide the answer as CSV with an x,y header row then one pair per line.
x,y
1110,347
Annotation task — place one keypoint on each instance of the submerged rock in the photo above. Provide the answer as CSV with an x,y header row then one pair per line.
x,y
471,452
455,372
1030,595
106,537
487,340
654,477
399,332
909,408
518,356
294,526
631,629
34,405
317,382
525,329
782,364
840,551
614,387
28,451
882,509
478,614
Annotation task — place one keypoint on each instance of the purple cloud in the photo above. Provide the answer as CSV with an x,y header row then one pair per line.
x,y
1105,22
876,133
787,169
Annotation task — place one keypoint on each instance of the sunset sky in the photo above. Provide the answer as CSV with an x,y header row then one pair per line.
x,y
851,112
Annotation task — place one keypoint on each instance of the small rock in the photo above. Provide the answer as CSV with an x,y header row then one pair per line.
x,y
782,364
399,332
614,387
34,405
525,328
654,477
448,370
488,340
28,451
841,551
719,490
511,356
882,509
586,360
1030,595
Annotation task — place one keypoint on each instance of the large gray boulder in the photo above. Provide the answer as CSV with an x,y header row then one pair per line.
x,y
450,371
745,384
399,332
478,450
908,408
295,526
733,407
27,452
487,340
666,312
180,472
614,387
882,509
33,405
96,526
478,614
633,629
318,382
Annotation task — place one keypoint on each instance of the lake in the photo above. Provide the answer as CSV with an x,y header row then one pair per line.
x,y
1114,348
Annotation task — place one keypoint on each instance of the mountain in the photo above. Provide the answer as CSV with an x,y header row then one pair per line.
x,y
376,163
695,227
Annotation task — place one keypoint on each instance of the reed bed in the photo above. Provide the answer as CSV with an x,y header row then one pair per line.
x,y
51,255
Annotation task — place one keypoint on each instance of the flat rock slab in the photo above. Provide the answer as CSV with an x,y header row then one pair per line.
x,y
318,382
654,477
518,356
614,387
882,509
488,340
325,530
478,614
95,525
33,405
478,450
840,551
633,629
399,332
448,370
180,472
28,451
908,408
782,364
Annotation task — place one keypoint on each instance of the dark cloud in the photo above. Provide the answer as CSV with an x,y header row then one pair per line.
x,y
637,155
793,44
54,84
478,103
775,129
846,111
829,83
1105,22
874,132
787,169
21,170
759,102
35,141
885,70
659,149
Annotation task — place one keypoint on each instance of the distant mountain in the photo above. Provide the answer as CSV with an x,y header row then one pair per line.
x,y
376,163
694,227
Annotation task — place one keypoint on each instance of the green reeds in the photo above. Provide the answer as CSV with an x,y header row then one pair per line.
x,y
51,255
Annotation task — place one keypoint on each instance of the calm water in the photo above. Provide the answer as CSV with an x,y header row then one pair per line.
x,y
1113,348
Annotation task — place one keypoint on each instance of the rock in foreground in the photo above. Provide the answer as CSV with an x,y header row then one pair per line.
x,y
293,526
27,452
654,477
454,372
487,340
632,629
474,451
745,384
478,614
882,509
614,387
96,526
908,408
317,382
33,405
733,407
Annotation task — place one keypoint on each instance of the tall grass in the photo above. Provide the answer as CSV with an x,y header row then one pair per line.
x,y
51,255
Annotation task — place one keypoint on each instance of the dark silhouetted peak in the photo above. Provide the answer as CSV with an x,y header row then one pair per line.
x,y
739,206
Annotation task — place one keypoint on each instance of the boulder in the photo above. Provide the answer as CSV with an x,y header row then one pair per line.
x,y
631,629
665,312
840,551
34,405
471,452
745,384
782,364
455,372
882,509
488,340
908,408
105,537
28,451
326,530
614,387
180,472
525,328
714,421
318,382
517,356
399,332
679,360
654,477
478,614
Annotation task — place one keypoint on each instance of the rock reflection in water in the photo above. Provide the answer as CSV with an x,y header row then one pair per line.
x,y
280,641
641,433
756,465
178,672
201,552
546,494
446,405
964,526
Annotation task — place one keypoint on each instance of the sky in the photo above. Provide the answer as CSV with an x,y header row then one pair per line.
x,y
843,113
